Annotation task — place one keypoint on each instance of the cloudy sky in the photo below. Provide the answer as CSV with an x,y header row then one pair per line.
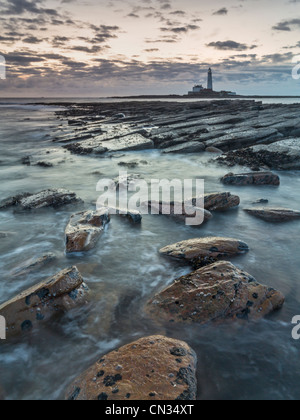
x,y
84,48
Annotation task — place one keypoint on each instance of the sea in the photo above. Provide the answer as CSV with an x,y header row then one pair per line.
x,y
255,362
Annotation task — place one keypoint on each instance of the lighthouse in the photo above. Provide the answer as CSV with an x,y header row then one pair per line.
x,y
210,80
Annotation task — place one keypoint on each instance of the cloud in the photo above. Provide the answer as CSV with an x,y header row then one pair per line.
x,y
230,45
287,25
221,12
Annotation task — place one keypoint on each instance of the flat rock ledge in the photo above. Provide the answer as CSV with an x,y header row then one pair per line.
x,y
48,198
252,178
282,155
274,214
201,248
84,230
215,293
43,301
150,369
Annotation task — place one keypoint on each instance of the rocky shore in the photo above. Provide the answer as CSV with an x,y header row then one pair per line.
x,y
257,137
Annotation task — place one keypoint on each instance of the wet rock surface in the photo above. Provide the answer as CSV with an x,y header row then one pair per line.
x,y
215,126
220,201
47,198
211,247
215,293
282,155
33,264
85,229
180,212
152,368
274,214
43,301
252,178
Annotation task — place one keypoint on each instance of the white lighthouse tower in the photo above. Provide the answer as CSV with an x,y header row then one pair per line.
x,y
210,80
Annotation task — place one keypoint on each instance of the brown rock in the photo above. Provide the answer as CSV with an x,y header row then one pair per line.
x,y
220,201
211,247
217,292
252,178
85,229
274,214
153,368
214,150
42,301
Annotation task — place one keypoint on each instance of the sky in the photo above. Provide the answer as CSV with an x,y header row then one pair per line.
x,y
96,48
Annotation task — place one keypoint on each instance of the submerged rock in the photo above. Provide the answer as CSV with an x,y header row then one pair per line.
x,y
252,178
33,264
187,210
274,214
43,301
153,368
211,247
214,150
217,293
84,230
48,198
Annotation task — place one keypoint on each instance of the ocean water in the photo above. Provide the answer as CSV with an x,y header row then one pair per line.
x,y
259,361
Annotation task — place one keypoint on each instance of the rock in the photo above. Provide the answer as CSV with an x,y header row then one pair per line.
x,y
85,229
211,247
26,160
189,147
261,201
151,369
13,201
125,181
274,214
43,301
282,155
133,216
119,144
249,137
252,178
48,198
220,201
45,164
5,234
186,210
130,165
214,150
215,293
33,264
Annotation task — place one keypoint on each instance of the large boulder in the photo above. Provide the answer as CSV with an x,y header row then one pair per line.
x,y
274,214
252,178
48,198
217,293
84,230
152,368
201,248
44,301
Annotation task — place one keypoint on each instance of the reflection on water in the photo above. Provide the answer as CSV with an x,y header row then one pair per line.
x,y
257,362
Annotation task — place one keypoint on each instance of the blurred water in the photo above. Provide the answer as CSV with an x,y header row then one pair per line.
x,y
257,362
